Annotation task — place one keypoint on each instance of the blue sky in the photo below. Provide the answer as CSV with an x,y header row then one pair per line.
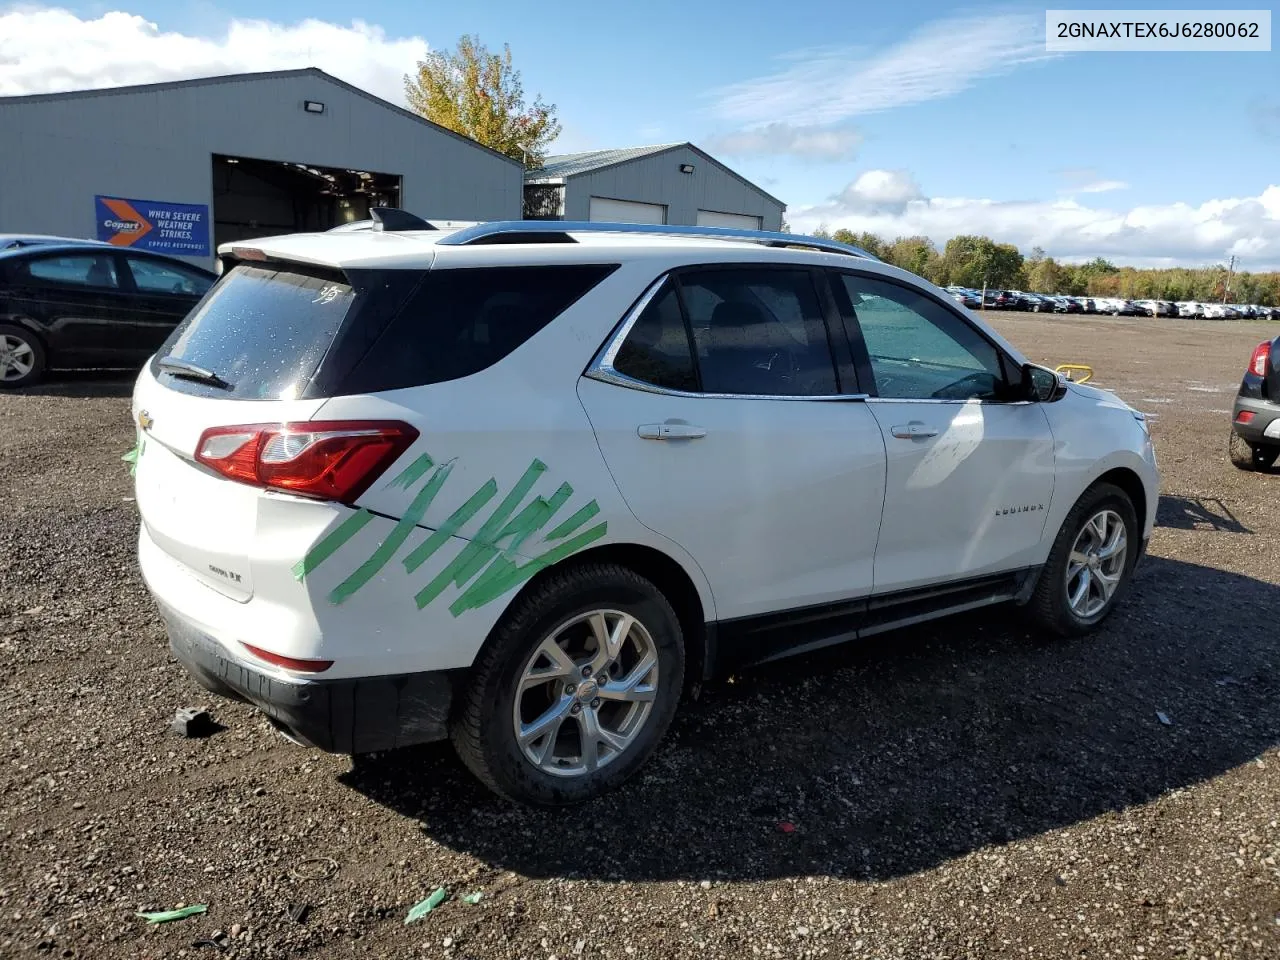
x,y
902,118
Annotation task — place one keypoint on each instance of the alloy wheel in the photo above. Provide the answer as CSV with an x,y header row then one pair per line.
x,y
16,357
585,693
1096,564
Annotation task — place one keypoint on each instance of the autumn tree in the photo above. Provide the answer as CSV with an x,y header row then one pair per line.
x,y
478,94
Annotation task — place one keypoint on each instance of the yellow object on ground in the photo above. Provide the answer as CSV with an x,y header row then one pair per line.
x,y
1071,370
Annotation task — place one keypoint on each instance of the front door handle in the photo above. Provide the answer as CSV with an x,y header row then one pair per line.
x,y
914,430
670,431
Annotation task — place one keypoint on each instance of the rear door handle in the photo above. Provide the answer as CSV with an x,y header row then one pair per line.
x,y
913,431
670,431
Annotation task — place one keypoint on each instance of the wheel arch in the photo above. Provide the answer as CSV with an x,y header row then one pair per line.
x,y
665,573
1128,481
26,325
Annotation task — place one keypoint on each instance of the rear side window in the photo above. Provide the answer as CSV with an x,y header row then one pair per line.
x,y
463,320
157,276
263,330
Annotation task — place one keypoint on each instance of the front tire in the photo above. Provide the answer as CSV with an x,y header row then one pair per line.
x,y
1250,456
574,688
22,357
1090,564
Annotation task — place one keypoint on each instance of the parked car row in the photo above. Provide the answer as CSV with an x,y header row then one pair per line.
x,y
1115,306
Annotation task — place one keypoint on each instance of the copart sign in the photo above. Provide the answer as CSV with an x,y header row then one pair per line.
x,y
179,229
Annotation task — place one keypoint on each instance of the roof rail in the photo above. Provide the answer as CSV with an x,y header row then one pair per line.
x,y
540,231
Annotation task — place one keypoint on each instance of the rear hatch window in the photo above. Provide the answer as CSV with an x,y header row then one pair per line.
x,y
284,332
263,330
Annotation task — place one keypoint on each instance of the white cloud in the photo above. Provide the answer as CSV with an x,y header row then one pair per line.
x,y
881,191
45,50
1101,186
783,139
888,203
938,60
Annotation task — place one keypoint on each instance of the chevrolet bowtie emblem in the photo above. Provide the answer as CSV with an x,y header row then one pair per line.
x,y
144,420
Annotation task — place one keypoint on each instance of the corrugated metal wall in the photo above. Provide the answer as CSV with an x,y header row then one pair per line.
x,y
56,153
657,179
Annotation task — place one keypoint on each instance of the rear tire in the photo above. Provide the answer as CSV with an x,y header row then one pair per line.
x,y
505,694
1250,456
22,357
1051,606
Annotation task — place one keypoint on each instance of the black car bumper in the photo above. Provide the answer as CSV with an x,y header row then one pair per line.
x,y
352,716
1266,417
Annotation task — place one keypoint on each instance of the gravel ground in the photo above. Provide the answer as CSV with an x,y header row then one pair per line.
x,y
965,790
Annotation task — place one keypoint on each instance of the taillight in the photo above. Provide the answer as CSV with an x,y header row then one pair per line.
x,y
1261,356
331,459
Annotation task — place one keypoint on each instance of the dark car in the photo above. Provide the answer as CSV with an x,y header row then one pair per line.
x,y
1006,300
1255,418
76,305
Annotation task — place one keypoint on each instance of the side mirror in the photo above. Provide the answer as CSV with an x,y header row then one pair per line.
x,y
1043,384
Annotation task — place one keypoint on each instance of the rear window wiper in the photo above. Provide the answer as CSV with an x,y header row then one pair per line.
x,y
190,371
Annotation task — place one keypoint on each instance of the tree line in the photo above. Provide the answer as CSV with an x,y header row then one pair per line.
x,y
972,261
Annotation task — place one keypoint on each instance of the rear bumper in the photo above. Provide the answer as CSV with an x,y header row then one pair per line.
x,y
1265,425
352,715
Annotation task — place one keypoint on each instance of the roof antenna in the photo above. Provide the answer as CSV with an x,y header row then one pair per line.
x,y
394,220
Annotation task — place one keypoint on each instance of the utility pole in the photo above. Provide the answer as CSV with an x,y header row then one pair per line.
x,y
1226,288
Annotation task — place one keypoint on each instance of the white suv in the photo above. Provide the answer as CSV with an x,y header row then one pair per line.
x,y
517,484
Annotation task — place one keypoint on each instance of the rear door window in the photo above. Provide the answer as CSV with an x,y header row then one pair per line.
x,y
74,271
657,349
263,330
759,332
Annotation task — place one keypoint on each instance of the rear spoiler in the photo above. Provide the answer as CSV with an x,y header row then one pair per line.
x,y
247,253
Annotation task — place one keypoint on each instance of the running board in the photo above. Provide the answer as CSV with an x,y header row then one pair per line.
x,y
748,641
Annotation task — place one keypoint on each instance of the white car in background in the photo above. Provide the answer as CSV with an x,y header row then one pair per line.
x,y
515,484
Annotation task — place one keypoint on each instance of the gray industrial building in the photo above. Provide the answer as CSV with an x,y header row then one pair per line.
x,y
673,183
181,167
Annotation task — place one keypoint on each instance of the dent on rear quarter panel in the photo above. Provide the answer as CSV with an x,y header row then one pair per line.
x,y
509,547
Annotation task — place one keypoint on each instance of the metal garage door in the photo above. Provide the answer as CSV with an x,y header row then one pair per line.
x,y
627,211
738,221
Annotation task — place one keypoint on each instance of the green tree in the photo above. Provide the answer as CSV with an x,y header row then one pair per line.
x,y
478,94
973,261
1045,275
916,254
867,241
